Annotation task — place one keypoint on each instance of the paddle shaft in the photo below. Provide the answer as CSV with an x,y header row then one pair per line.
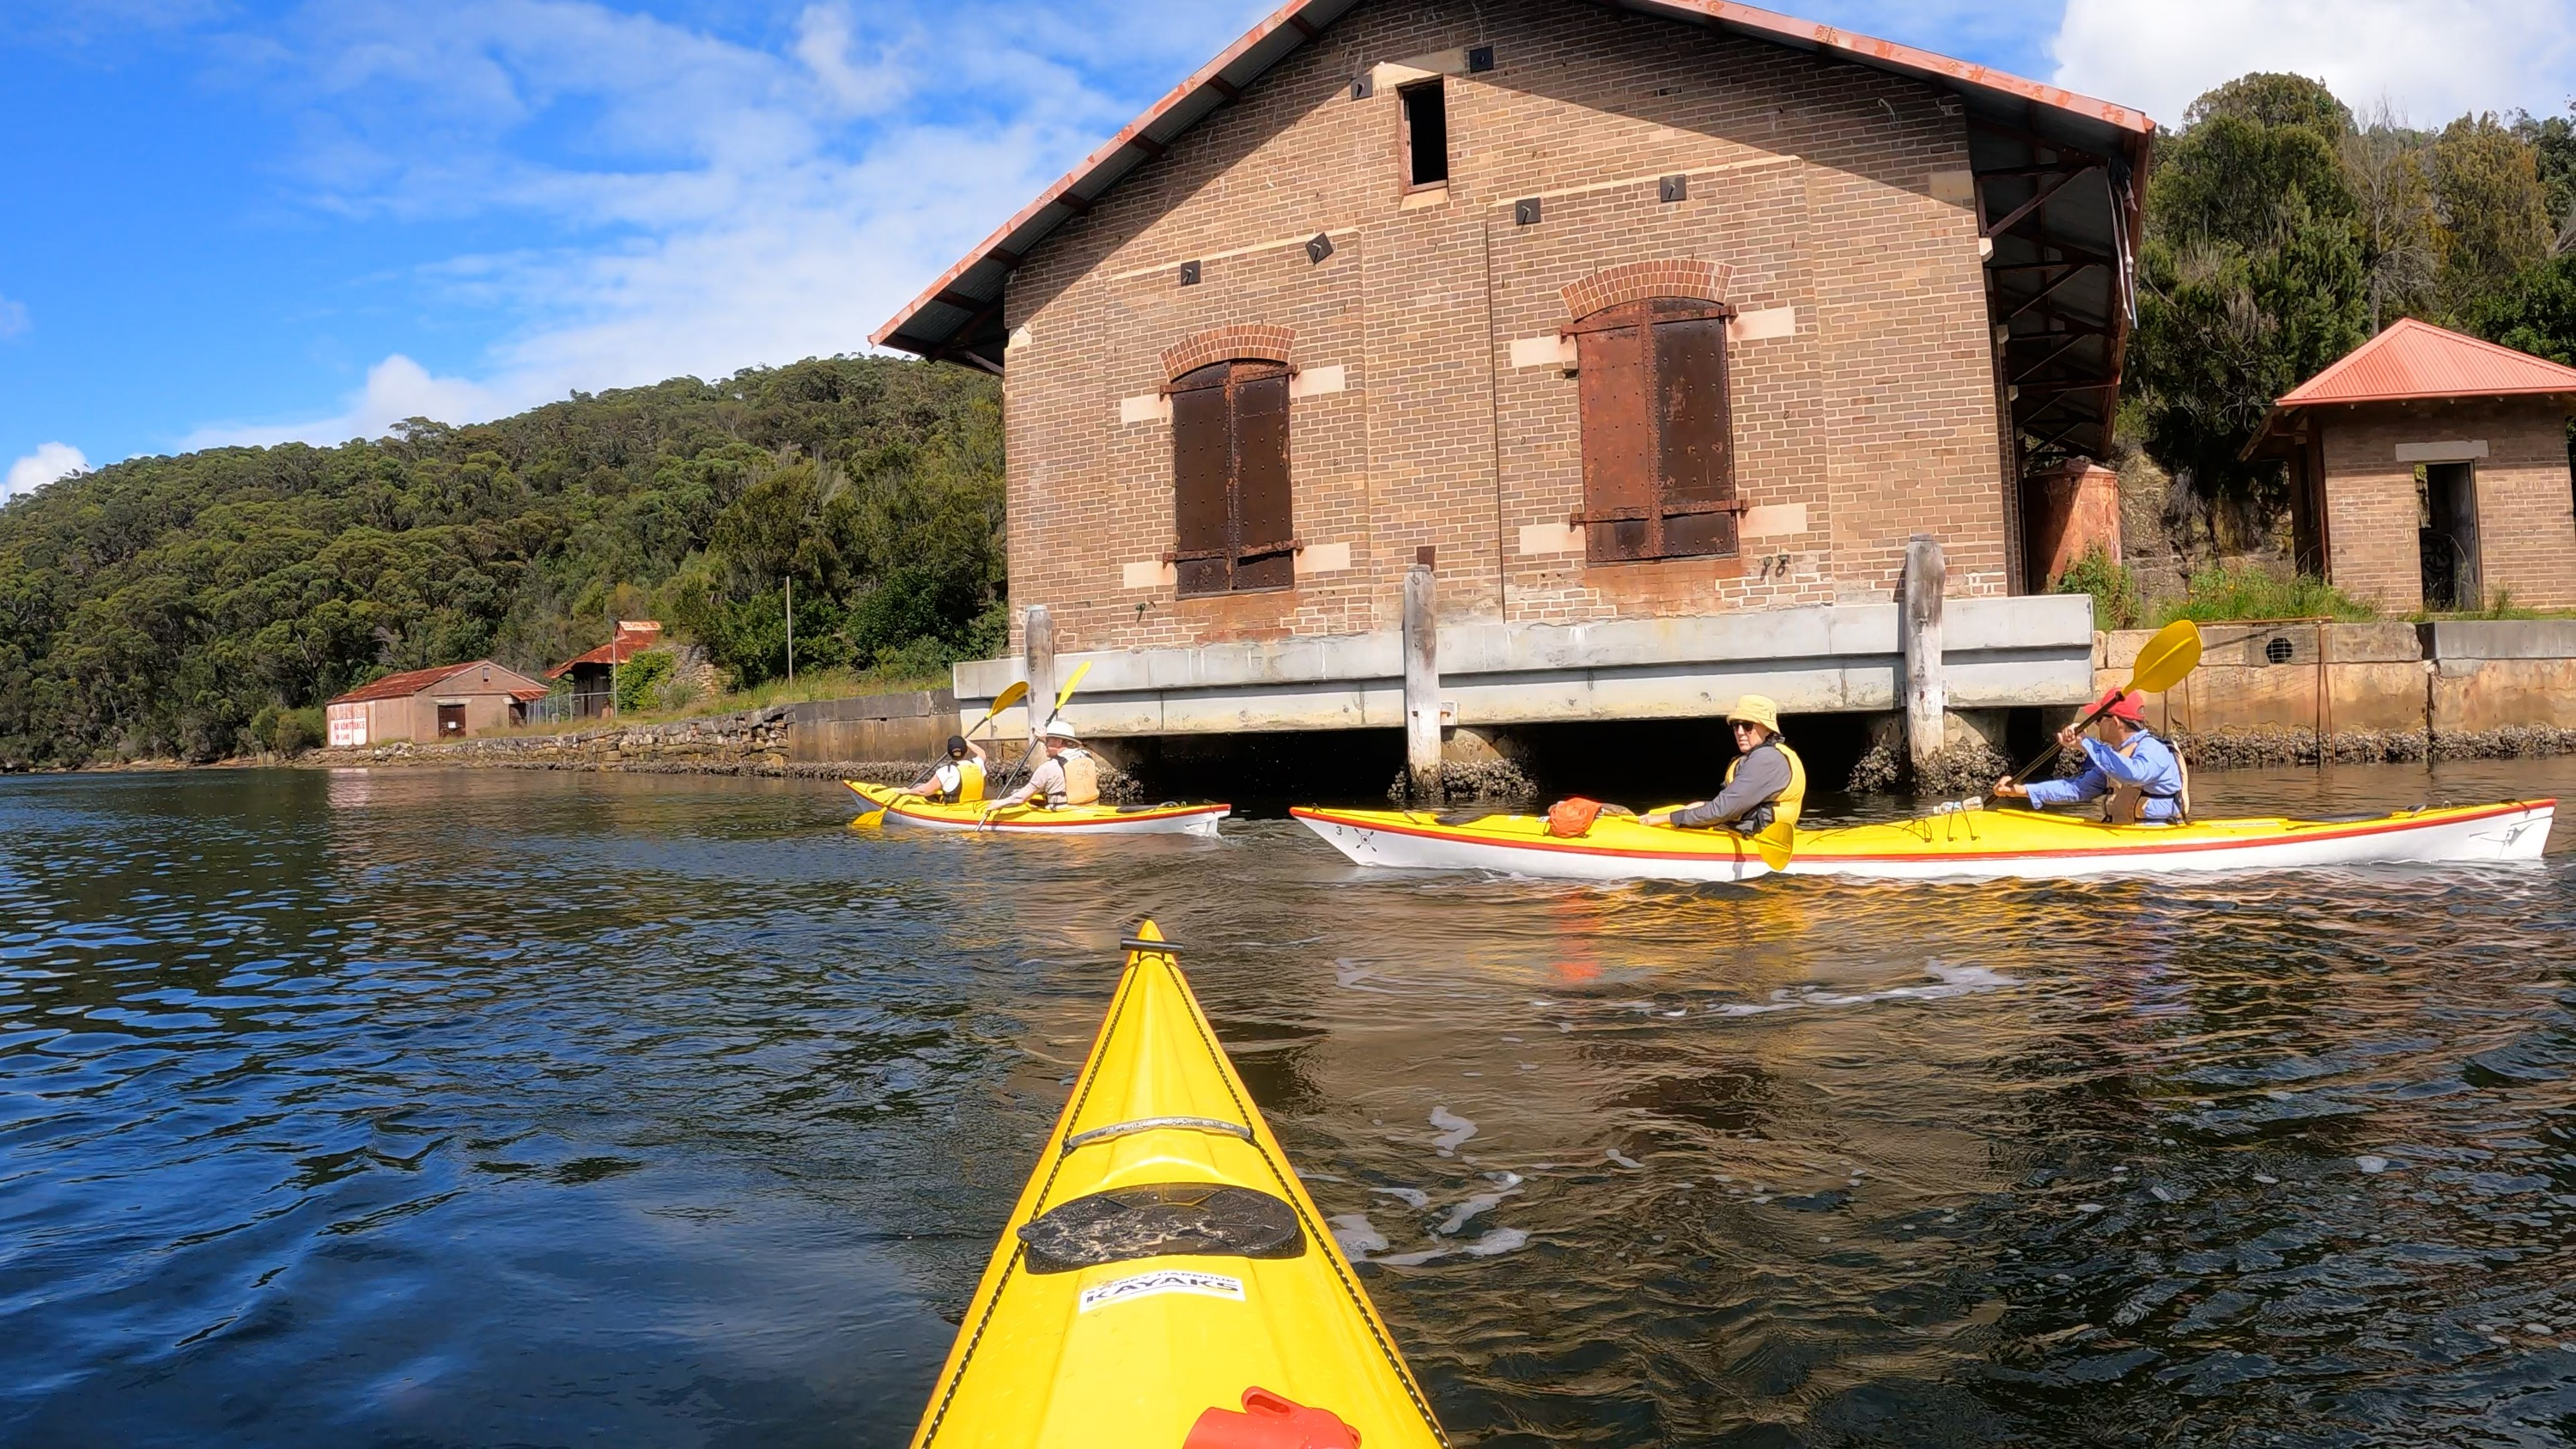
x,y
2056,748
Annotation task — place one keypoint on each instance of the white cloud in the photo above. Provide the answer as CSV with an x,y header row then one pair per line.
x,y
2432,59
397,390
705,206
49,462
13,317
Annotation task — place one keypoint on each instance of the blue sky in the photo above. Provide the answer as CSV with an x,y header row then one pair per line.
x,y
243,222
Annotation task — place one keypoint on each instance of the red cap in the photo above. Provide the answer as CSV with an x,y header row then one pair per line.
x,y
2121,706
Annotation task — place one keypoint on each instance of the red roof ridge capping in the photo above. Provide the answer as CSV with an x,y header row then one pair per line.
x,y
2415,359
405,684
1769,24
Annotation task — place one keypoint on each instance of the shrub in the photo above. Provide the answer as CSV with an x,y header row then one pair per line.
x,y
2114,590
2249,592
639,680
299,730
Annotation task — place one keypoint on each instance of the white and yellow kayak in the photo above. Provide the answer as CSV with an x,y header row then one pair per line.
x,y
907,809
1164,1279
2035,845
1964,844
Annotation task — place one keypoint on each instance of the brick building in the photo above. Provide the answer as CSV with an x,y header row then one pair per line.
x,y
1655,328
2432,471
446,702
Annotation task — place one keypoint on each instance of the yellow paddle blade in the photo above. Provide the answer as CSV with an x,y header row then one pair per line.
x,y
1773,853
1067,692
1017,691
2166,658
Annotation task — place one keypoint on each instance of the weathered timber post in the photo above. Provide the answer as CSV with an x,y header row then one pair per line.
x,y
1421,685
1037,651
1926,697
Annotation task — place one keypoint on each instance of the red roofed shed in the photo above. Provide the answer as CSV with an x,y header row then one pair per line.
x,y
594,673
2431,470
443,702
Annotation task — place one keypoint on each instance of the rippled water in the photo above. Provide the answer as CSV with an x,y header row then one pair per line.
x,y
481,1108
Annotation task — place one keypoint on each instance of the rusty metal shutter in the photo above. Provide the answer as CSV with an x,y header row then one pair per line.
x,y
1264,522
1619,466
1696,450
1202,478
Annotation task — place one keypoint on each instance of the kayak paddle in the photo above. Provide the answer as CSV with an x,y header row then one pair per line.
x,y
2162,663
1030,759
1017,691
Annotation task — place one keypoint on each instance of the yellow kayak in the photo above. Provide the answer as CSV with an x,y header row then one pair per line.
x,y
1165,1280
904,808
2025,844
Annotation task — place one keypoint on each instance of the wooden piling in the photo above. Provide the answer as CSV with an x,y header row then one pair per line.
x,y
1038,652
1421,685
1925,697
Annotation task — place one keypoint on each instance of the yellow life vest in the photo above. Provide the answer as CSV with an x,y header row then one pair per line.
x,y
970,780
1081,780
1782,829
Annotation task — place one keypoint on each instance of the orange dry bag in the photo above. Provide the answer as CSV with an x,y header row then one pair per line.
x,y
1271,1421
1572,817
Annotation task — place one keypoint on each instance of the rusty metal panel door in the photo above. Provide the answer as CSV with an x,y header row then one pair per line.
x,y
1696,462
1619,466
1264,518
1202,477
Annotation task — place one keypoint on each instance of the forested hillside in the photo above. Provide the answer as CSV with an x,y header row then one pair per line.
x,y
155,606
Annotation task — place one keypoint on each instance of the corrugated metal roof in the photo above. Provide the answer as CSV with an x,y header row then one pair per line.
x,y
630,641
2412,359
959,315
405,684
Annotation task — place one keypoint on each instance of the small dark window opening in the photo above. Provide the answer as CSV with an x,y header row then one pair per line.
x,y
1426,134
1658,432
1232,519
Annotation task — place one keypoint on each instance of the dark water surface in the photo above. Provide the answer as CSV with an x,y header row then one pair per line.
x,y
489,1108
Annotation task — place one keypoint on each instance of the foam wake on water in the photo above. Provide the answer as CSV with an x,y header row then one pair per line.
x,y
1950,981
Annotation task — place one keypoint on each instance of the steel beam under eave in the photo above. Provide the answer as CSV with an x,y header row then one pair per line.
x,y
2047,189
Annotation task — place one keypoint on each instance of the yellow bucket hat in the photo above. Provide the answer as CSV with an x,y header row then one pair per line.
x,y
1756,709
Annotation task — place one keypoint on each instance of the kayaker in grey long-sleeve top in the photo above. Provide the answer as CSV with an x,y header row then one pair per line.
x,y
1764,787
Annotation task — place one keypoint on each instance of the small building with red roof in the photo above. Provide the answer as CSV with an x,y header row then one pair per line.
x,y
2431,470
448,701
594,674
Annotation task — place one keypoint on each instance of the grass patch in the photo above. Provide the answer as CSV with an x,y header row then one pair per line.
x,y
816,685
2216,595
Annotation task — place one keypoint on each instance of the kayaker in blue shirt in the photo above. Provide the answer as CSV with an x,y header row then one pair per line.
x,y
2137,770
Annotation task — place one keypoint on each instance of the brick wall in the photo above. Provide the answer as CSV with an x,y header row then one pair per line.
x,y
2526,516
1862,373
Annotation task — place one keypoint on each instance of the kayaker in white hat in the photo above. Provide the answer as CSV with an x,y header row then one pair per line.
x,y
1765,784
1068,777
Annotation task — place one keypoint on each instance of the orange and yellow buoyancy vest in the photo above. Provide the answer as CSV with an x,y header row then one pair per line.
x,y
1081,780
1781,828
970,780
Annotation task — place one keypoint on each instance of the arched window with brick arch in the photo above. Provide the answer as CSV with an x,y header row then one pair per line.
x,y
1233,522
1658,432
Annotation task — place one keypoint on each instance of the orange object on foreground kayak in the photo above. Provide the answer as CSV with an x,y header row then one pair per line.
x,y
1164,1280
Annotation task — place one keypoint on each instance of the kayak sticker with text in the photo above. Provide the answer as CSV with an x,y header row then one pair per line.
x,y
1168,1280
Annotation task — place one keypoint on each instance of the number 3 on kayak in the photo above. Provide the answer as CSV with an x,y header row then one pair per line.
x,y
1165,1282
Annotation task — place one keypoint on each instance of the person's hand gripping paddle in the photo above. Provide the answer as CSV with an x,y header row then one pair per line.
x,y
2162,663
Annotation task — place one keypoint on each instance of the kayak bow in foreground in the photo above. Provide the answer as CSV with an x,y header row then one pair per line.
x,y
906,809
1617,847
1164,1279
2034,845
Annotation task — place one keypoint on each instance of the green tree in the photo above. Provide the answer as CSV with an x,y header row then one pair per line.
x,y
2251,276
2495,213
